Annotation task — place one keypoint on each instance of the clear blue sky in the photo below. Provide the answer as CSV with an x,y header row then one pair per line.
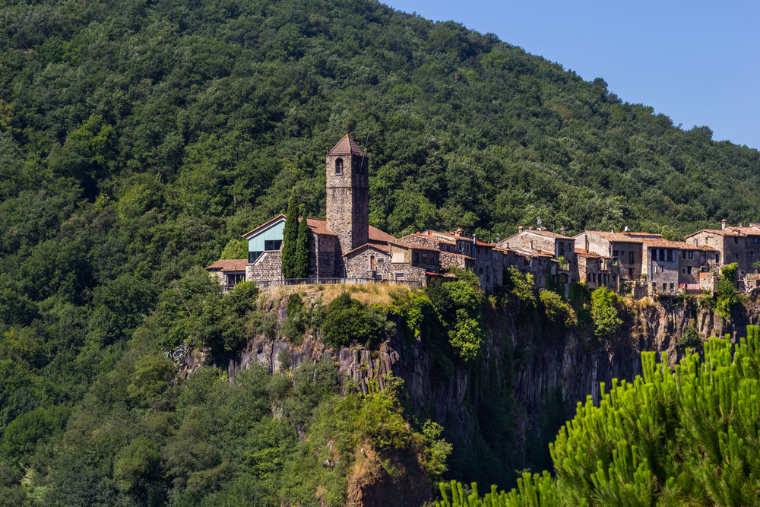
x,y
697,62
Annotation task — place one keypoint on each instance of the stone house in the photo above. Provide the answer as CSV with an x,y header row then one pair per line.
x,y
674,265
625,250
597,271
396,262
731,244
229,273
532,262
558,246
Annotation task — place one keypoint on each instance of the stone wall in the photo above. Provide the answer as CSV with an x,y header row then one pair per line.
x,y
267,268
322,255
452,260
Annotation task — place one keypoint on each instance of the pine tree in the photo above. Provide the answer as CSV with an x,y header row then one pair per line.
x,y
301,263
290,238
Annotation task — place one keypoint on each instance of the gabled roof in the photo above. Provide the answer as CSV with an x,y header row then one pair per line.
x,y
611,236
319,226
233,265
380,248
585,253
728,231
264,226
346,146
679,245
376,235
548,234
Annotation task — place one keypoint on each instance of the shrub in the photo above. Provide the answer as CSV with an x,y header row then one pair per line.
x,y
347,319
604,313
690,338
556,308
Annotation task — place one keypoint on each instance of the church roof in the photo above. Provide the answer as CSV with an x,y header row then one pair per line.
x,y
346,146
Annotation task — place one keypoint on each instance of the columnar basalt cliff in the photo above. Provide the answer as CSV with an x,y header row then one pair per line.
x,y
535,360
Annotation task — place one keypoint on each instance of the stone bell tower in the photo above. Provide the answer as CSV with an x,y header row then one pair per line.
x,y
348,196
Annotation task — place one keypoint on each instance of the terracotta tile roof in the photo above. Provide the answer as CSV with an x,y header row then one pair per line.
x,y
376,234
746,231
229,265
548,234
346,146
469,240
611,236
457,255
263,226
718,232
383,248
532,253
679,245
586,253
319,226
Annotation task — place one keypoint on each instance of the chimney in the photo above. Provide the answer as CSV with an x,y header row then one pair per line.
x,y
474,239
520,229
723,223
530,228
741,224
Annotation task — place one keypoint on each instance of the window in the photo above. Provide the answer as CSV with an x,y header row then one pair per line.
x,y
664,286
615,253
736,240
399,277
562,249
614,278
415,257
339,166
683,271
670,255
683,254
380,262
688,270
252,256
424,259
274,244
371,262
378,276
717,258
630,257
691,254
562,278
480,271
539,261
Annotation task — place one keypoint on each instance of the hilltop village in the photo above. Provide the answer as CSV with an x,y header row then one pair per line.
x,y
344,248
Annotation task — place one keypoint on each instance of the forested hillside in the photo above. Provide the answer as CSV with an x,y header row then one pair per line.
x,y
139,138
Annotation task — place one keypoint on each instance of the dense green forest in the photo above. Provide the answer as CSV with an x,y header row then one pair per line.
x,y
140,138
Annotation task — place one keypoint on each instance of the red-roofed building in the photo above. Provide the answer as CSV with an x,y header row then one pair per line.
x,y
731,244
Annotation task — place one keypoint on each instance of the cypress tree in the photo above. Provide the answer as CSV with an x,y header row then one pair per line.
x,y
302,249
290,238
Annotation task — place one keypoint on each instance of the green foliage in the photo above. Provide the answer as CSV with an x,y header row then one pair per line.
x,y
290,266
347,320
150,379
235,249
690,338
298,321
458,305
604,312
302,250
683,436
725,289
557,309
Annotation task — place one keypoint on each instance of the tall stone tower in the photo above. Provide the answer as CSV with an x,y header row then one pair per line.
x,y
348,197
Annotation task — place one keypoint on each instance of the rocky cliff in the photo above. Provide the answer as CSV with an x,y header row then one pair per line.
x,y
528,356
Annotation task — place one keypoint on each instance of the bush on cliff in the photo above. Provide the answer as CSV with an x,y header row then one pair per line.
x,y
604,313
687,435
347,320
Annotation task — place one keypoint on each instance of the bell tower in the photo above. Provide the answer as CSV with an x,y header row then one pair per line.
x,y
348,196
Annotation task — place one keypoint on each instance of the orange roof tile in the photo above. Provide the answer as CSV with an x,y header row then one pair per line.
x,y
346,146
545,233
229,265
376,234
612,236
586,253
319,226
383,248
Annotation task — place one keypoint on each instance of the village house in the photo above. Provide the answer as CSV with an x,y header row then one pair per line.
x,y
622,250
538,243
597,270
731,244
532,262
229,272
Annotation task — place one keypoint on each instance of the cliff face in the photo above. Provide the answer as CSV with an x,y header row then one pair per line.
x,y
531,358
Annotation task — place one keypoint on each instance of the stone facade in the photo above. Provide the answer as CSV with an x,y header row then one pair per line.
x,y
347,197
625,249
323,250
267,268
596,271
393,263
732,244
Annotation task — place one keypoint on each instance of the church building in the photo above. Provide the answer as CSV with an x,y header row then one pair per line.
x,y
344,245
